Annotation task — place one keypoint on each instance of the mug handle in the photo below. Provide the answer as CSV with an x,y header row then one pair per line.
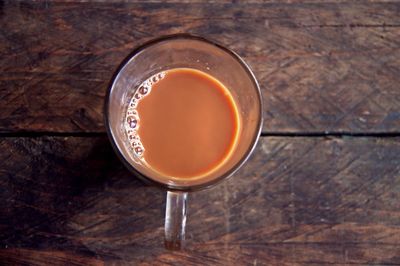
x,y
175,219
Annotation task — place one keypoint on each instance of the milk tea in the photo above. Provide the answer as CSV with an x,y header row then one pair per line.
x,y
182,123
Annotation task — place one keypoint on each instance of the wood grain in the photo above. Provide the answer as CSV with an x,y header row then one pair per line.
x,y
323,67
297,201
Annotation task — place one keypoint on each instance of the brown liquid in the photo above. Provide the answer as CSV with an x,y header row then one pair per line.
x,y
189,124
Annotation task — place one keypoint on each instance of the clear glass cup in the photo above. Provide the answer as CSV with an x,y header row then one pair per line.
x,y
183,51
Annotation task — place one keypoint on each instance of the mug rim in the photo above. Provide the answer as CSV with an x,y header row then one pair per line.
x,y
148,179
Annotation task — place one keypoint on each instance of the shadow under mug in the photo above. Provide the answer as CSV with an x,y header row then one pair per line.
x,y
183,51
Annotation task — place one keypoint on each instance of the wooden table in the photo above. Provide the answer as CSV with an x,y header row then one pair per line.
x,y
322,187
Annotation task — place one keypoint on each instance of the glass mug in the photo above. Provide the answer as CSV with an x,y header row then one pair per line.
x,y
183,51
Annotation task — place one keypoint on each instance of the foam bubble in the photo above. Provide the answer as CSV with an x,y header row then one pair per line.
x,y
132,121
139,150
143,90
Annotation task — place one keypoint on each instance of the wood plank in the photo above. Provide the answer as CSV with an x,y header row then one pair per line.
x,y
297,201
322,66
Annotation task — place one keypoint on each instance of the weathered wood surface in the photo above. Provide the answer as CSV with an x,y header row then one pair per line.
x,y
298,201
322,66
309,201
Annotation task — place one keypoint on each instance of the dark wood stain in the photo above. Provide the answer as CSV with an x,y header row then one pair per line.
x,y
322,66
296,201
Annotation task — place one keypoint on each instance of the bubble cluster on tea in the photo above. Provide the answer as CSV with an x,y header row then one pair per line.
x,y
183,123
